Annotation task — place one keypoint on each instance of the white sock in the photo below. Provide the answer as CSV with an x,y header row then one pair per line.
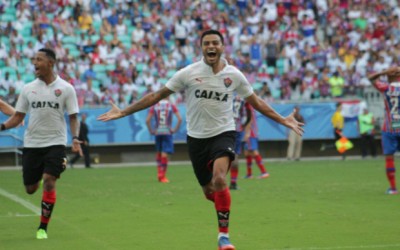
x,y
223,234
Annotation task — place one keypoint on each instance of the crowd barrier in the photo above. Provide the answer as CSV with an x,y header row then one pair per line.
x,y
133,130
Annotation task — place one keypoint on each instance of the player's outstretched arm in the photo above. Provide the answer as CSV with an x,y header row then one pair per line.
x,y
6,108
16,119
288,121
145,102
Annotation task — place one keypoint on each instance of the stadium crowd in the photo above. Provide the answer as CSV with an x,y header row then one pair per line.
x,y
120,50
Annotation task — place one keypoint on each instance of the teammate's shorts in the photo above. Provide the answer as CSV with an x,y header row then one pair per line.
x,y
238,142
251,144
390,143
203,152
164,143
51,160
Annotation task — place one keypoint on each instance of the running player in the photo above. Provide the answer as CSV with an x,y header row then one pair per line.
x,y
47,98
209,85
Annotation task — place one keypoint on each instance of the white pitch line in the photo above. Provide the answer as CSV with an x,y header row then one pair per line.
x,y
20,201
346,247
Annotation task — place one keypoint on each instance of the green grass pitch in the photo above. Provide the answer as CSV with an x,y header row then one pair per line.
x,y
306,205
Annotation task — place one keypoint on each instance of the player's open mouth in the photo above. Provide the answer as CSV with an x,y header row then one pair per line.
x,y
211,54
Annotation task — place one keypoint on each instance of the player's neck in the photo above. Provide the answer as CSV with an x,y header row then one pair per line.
x,y
48,79
218,66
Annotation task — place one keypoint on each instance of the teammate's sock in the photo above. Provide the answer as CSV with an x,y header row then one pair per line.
x,y
234,174
390,172
158,160
210,196
260,164
164,165
223,205
48,202
249,162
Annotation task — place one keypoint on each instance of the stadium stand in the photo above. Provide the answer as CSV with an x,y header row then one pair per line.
x,y
315,50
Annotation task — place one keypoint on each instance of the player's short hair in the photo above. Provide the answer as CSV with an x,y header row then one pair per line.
x,y
49,53
211,32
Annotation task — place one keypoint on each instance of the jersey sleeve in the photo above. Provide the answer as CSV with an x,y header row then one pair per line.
x,y
174,108
381,86
151,110
244,88
177,82
72,101
22,105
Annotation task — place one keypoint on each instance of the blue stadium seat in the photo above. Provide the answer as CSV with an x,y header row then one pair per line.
x,y
99,68
170,73
96,25
108,38
28,77
257,86
6,17
68,39
10,70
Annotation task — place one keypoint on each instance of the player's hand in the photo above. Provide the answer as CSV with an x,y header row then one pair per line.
x,y
112,114
76,146
293,124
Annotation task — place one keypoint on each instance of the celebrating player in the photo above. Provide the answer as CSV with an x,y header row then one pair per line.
x,y
209,85
44,157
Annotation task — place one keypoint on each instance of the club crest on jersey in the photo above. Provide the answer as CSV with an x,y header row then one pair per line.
x,y
227,82
57,92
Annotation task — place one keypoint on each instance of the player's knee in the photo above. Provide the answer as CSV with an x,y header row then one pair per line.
x,y
30,189
219,182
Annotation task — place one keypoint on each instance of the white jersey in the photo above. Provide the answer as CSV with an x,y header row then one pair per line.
x,y
46,105
209,97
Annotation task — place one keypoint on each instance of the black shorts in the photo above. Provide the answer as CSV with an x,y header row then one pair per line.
x,y
36,161
203,153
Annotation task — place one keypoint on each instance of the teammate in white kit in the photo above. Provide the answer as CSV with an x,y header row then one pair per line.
x,y
47,98
210,85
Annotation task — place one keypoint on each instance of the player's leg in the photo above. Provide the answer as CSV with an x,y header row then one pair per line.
x,y
48,202
32,168
249,160
389,145
253,148
167,148
158,145
222,153
222,201
54,164
235,163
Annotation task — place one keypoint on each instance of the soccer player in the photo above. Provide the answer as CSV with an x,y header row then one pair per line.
x,y
162,113
242,118
251,147
6,108
209,85
391,122
44,157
